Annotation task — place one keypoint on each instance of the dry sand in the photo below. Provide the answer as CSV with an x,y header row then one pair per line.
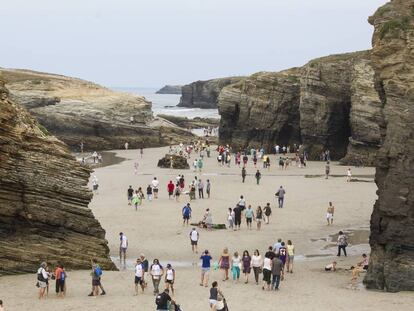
x,y
156,230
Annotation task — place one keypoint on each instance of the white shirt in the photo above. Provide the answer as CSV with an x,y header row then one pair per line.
x,y
194,235
156,270
242,202
43,272
155,183
256,261
139,270
170,274
124,241
267,264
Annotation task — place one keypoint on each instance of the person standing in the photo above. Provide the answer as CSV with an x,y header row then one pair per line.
x,y
60,277
139,280
243,174
230,218
194,237
277,266
348,175
157,271
170,189
200,164
327,169
259,217
123,245
186,212
281,196
205,268
257,263
291,255
246,260
149,193
249,214
330,214
155,184
177,192
237,217
224,263
170,278
200,187
267,211
342,243
141,151
258,175
42,279
145,266
242,202
208,188
130,193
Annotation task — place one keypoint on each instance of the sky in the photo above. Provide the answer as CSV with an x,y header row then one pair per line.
x,y
150,43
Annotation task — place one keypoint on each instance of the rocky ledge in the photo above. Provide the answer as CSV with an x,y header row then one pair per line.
x,y
391,264
80,111
44,214
169,89
204,94
193,123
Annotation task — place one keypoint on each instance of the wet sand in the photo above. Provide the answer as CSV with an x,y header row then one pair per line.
x,y
156,230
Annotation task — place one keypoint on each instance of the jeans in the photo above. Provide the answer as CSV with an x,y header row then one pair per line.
x,y
200,193
281,202
275,281
256,271
236,273
156,284
343,247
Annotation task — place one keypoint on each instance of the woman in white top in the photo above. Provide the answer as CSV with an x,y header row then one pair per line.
x,y
170,278
267,272
230,218
257,263
235,266
156,273
42,279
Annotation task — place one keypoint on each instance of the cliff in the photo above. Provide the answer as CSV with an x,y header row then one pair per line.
x,y
169,89
392,222
204,94
44,214
76,110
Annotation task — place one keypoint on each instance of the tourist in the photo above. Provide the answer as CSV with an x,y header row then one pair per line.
x,y
95,184
245,159
192,191
364,263
208,188
130,193
186,212
123,245
277,246
60,277
267,269
249,214
331,266
342,243
42,279
267,211
200,164
282,257
230,218
259,217
246,261
182,183
200,187
330,214
177,192
224,263
170,189
194,237
268,163
208,219
258,175
327,169
163,301
205,268
237,217
157,271
254,161
277,270
136,200
149,193
281,196
139,280
257,264
170,278
126,146
141,151
243,174
235,266
290,256
96,279
135,168
145,266
242,202
281,163
95,157
155,184
214,296
195,164
348,175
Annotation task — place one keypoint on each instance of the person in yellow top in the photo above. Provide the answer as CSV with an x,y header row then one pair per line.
x,y
291,255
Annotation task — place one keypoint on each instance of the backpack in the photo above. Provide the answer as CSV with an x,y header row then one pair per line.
x,y
63,275
98,271
40,277
160,300
186,211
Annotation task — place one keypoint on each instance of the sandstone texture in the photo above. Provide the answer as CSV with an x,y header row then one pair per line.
x,y
169,89
193,123
204,94
178,162
392,222
44,214
80,111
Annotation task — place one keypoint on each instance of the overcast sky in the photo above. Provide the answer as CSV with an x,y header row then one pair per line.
x,y
156,42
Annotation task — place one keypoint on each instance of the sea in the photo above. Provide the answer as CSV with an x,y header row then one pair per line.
x,y
167,103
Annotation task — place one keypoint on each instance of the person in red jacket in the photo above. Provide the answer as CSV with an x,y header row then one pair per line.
x,y
170,188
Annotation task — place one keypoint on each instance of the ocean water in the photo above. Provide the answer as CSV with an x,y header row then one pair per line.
x,y
166,103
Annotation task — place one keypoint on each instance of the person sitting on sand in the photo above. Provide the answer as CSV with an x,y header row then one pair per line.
x,y
331,267
364,263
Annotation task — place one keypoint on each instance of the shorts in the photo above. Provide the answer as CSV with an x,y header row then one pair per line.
x,y
155,190
96,282
329,216
129,198
42,284
193,242
290,258
170,193
186,217
266,275
213,302
205,270
139,280
249,220
170,282
123,250
258,220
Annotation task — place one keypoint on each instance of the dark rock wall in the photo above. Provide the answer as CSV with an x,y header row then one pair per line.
x,y
392,222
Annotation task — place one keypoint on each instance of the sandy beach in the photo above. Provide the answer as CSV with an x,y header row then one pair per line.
x,y
156,230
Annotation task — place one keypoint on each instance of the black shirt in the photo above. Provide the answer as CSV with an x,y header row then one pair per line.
x,y
130,192
213,293
165,298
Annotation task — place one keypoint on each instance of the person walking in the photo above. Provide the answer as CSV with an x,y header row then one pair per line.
x,y
194,237
96,279
237,217
177,192
235,266
246,260
258,175
267,211
243,174
130,193
330,214
277,266
155,183
259,217
208,188
224,263
230,218
267,270
249,214
157,271
123,245
170,189
257,264
149,193
139,280
200,187
170,278
281,196
291,255
342,243
214,296
348,175
327,169
205,268
164,300
186,212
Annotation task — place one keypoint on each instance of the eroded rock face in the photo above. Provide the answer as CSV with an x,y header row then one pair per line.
x,y
204,94
44,214
261,110
392,222
178,162
80,111
169,89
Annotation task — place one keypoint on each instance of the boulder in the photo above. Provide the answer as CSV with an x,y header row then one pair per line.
x,y
178,162
169,89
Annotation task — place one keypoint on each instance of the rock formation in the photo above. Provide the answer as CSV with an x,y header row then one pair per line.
x,y
204,94
391,264
169,89
76,110
44,214
193,123
178,162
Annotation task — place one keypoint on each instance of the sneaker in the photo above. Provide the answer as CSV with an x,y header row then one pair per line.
x,y
90,295
103,293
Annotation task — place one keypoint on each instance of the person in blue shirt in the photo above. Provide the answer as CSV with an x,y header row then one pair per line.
x,y
205,268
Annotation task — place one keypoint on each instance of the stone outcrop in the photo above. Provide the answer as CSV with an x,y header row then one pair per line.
x,y
178,162
260,110
193,123
391,264
169,89
80,111
204,94
44,214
